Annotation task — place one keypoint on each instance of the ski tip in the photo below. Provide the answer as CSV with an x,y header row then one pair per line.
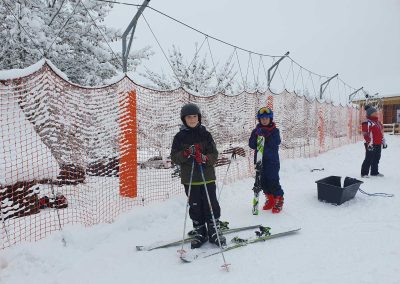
x,y
293,231
139,248
185,260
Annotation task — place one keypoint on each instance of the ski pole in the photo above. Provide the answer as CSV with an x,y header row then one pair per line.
x,y
4,224
58,213
182,251
225,265
226,174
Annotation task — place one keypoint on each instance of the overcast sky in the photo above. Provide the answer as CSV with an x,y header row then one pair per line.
x,y
359,39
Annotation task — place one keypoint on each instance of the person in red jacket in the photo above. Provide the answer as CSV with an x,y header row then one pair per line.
x,y
372,130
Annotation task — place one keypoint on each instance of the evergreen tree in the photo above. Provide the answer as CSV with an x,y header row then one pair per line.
x,y
68,32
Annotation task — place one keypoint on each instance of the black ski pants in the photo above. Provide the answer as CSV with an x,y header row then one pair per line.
x,y
199,210
371,161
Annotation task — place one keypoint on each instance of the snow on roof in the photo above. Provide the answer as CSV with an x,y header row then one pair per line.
x,y
23,156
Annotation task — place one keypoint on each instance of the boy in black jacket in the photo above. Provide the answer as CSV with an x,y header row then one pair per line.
x,y
194,142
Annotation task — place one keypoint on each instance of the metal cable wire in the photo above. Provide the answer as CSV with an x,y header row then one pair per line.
x,y
162,50
197,52
102,34
58,11
217,39
190,27
240,68
65,24
184,24
252,67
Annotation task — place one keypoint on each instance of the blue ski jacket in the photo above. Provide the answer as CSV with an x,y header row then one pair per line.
x,y
270,159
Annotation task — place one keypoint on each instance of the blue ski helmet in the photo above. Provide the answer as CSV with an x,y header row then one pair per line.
x,y
265,112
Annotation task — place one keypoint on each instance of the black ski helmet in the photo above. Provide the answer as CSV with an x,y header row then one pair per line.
x,y
190,109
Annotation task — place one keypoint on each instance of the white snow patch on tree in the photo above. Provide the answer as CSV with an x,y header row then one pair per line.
x,y
69,33
196,76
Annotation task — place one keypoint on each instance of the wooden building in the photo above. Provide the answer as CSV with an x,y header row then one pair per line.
x,y
388,106
391,109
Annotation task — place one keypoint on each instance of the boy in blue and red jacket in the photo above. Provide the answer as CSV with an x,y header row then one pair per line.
x,y
374,141
270,160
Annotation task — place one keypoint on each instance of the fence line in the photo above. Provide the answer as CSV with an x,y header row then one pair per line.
x,y
76,155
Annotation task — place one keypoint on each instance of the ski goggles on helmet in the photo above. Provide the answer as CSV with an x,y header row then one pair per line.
x,y
264,110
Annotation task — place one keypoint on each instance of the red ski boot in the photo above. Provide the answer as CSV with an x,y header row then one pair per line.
x,y
269,203
278,204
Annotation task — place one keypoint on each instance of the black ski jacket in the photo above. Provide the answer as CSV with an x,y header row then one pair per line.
x,y
189,136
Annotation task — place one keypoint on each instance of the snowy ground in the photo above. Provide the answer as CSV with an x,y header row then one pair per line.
x,y
357,242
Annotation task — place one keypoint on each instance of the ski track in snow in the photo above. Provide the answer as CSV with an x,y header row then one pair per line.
x,y
357,242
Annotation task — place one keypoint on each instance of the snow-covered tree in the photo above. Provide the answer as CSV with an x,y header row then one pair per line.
x,y
195,76
68,32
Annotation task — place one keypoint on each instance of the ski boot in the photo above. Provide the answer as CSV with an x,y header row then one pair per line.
x,y
224,225
199,236
263,231
269,203
278,204
212,233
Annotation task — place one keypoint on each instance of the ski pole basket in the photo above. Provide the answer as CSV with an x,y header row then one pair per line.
x,y
331,191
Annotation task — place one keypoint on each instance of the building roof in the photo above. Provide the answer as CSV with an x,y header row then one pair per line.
x,y
386,98
390,96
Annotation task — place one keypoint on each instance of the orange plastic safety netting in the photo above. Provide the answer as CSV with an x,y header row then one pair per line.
x,y
71,154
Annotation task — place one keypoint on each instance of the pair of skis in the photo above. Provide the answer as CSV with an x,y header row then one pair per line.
x,y
262,235
167,244
257,183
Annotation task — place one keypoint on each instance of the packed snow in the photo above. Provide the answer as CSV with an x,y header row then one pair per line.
x,y
356,242
23,157
17,73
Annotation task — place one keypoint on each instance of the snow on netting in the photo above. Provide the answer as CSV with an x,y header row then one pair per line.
x,y
70,154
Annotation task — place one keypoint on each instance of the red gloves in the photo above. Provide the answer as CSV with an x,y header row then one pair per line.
x,y
190,151
195,152
200,158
